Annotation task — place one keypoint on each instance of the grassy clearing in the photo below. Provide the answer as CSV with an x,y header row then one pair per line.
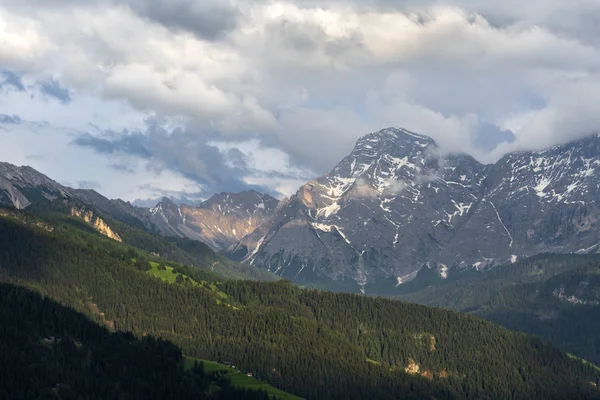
x,y
166,275
595,271
169,275
240,379
583,361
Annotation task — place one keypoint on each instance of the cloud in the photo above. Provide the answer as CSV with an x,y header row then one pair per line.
x,y
89,185
130,143
11,79
316,138
180,149
363,189
489,136
396,187
9,119
208,19
52,88
232,82
68,164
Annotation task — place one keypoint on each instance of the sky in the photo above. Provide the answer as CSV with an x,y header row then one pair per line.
x,y
140,99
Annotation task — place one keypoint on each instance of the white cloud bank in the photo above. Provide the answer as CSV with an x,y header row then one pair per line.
x,y
304,77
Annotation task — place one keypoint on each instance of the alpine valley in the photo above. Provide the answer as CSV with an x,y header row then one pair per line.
x,y
103,299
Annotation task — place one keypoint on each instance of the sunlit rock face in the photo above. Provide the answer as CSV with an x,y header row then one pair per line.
x,y
96,222
220,221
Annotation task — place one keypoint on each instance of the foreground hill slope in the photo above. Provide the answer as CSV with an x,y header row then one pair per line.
x,y
312,344
51,351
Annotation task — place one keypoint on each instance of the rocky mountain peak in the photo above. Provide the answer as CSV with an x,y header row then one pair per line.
x,y
395,204
379,152
20,185
168,202
245,201
220,221
393,140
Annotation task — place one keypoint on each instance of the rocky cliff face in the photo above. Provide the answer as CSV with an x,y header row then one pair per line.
x,y
221,221
395,204
96,222
19,186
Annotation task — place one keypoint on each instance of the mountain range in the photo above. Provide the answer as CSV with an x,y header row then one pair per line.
x,y
395,204
220,221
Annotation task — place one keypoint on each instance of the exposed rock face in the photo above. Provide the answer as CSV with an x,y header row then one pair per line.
x,y
394,204
96,222
413,368
19,184
220,221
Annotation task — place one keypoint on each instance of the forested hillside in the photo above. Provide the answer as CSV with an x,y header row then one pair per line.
x,y
180,250
48,351
554,296
312,344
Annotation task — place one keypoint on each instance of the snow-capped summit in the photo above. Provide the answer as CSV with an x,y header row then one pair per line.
x,y
395,204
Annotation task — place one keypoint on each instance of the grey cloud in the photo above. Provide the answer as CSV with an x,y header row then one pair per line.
x,y
147,203
237,158
318,138
283,175
11,79
181,150
88,185
303,37
179,197
53,88
130,143
123,167
490,136
10,119
207,19
451,90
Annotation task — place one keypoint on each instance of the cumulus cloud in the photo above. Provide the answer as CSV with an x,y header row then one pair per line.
x,y
303,79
